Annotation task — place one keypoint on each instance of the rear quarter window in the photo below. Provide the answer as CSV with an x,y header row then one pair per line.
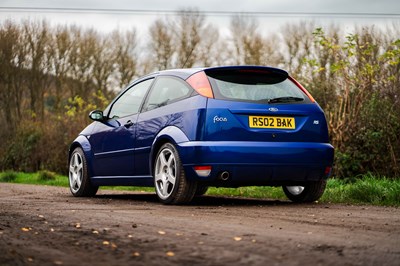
x,y
167,90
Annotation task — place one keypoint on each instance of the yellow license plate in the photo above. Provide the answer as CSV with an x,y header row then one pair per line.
x,y
272,122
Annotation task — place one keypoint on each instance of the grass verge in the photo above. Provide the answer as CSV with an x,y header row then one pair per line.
x,y
39,178
366,189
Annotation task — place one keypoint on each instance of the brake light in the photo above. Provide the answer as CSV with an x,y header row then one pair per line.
x,y
200,83
303,89
328,171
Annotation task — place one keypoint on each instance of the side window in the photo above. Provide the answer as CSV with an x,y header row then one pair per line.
x,y
167,90
129,102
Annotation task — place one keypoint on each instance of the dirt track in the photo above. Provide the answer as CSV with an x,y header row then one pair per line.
x,y
47,226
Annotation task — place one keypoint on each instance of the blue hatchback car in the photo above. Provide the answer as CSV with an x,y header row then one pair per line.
x,y
184,130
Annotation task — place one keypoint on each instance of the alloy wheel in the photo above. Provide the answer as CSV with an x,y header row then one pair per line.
x,y
165,173
295,190
75,172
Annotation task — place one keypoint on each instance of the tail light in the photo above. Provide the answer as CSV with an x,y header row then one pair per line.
x,y
303,89
200,83
328,171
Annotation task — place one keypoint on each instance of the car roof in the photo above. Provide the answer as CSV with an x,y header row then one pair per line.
x,y
185,73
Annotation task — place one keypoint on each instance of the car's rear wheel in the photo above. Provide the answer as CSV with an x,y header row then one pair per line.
x,y
79,182
170,181
309,192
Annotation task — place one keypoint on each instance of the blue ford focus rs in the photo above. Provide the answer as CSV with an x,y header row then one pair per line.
x,y
185,130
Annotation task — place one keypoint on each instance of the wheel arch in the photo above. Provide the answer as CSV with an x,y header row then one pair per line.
x,y
170,134
83,143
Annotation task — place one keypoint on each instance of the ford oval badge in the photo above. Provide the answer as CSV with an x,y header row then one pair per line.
x,y
273,109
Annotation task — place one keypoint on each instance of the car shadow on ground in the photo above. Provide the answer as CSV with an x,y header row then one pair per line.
x,y
199,201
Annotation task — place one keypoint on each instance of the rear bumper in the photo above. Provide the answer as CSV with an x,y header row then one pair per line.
x,y
257,163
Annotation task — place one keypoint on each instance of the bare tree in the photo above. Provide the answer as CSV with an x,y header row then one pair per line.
x,y
125,56
210,51
9,35
60,49
187,29
297,40
391,40
161,46
314,65
103,64
81,62
249,46
36,37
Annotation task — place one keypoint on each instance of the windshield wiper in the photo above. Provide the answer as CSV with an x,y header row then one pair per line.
x,y
156,105
287,99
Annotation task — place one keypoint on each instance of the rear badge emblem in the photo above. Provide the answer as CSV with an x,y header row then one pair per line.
x,y
220,119
273,109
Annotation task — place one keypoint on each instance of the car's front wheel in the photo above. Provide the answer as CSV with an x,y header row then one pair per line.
x,y
309,192
79,182
170,181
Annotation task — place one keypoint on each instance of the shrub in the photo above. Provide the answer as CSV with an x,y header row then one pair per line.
x,y
45,175
8,176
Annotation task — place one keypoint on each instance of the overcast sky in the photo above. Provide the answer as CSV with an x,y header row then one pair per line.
x,y
386,11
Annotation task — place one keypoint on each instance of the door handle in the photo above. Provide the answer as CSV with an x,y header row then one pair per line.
x,y
128,124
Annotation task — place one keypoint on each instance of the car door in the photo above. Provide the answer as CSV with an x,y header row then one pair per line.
x,y
163,107
113,142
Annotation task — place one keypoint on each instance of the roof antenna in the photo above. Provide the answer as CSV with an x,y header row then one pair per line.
x,y
187,58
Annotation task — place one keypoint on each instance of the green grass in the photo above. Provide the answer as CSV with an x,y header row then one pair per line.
x,y
45,175
8,176
40,178
365,189
249,192
128,188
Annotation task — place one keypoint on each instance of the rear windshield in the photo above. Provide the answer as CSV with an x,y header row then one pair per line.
x,y
255,86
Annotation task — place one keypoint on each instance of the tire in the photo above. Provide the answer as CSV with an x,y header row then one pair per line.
x,y
309,192
79,182
170,181
201,190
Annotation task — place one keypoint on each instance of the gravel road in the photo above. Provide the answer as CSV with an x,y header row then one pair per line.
x,y
41,225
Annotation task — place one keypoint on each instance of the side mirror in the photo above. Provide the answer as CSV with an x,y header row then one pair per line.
x,y
96,115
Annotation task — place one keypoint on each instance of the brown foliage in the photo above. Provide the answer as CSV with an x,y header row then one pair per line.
x,y
51,77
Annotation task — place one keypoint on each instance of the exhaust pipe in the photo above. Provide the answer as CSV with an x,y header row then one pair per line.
x,y
224,175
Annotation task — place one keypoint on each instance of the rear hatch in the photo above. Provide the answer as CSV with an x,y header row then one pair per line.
x,y
261,104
